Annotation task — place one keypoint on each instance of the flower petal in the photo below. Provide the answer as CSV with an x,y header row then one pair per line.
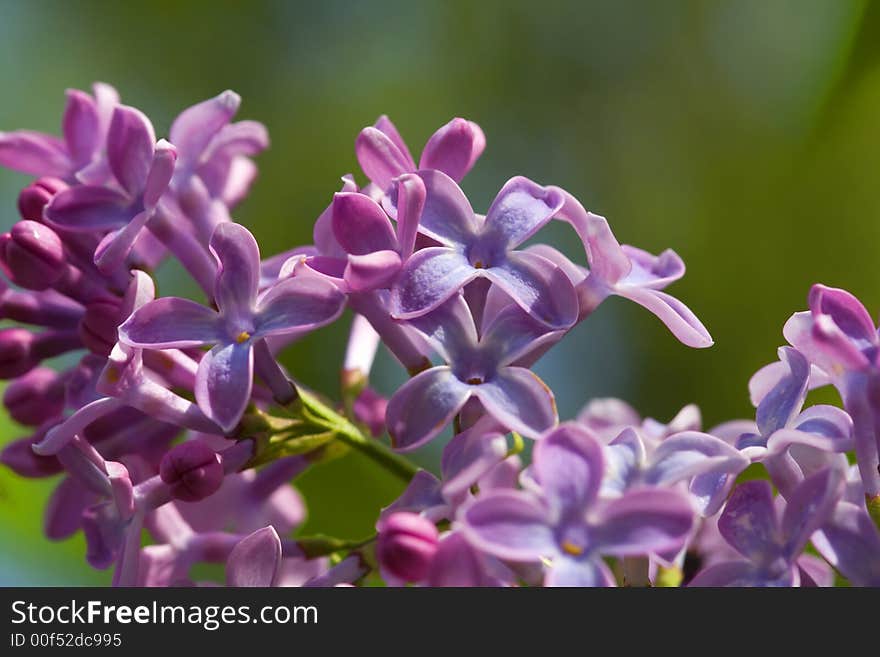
x,y
410,203
643,521
520,210
130,145
468,456
161,170
196,126
87,208
510,525
451,148
371,271
81,127
512,334
360,225
538,286
784,401
518,399
298,303
691,453
428,279
224,381
238,275
569,465
457,563
608,262
447,216
384,125
171,322
851,543
750,524
34,153
809,507
579,573
678,317
255,560
733,573
423,406
380,158
846,311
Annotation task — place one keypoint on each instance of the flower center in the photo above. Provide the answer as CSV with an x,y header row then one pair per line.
x,y
244,336
572,548
475,380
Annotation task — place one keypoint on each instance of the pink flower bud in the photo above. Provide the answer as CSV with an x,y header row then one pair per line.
x,y
99,326
192,470
36,196
34,255
35,397
407,545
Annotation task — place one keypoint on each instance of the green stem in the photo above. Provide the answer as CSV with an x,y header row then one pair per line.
x,y
378,452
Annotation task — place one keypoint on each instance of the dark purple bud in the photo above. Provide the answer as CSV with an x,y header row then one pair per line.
x,y
15,352
98,327
369,408
36,196
407,545
192,470
19,457
34,255
35,397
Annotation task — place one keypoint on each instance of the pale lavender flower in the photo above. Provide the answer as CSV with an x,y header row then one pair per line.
x,y
476,367
771,542
567,526
225,375
474,247
850,541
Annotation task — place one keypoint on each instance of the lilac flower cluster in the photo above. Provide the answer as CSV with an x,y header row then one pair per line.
x,y
173,417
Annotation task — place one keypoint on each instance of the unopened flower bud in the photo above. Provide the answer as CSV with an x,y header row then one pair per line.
x,y
98,328
407,545
34,255
15,352
36,196
35,397
369,408
193,470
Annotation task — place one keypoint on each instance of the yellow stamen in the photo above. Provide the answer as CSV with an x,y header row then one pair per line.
x,y
479,265
570,548
244,336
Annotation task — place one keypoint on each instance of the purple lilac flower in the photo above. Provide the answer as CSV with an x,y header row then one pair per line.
x,y
771,543
850,541
79,153
477,367
790,443
838,336
383,155
567,526
472,247
244,316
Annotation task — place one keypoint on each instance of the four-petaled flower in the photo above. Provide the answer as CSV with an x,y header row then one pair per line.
x,y
473,247
568,527
224,378
476,367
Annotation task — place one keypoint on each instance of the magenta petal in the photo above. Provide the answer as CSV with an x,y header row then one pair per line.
x,y
451,148
88,208
750,524
519,400
81,127
298,303
411,196
423,406
825,347
255,560
678,317
160,173
644,521
238,276
448,216
809,506
223,383
34,153
569,465
371,271
130,144
538,286
428,279
196,126
171,322
845,310
385,125
509,524
457,563
360,225
519,211
581,573
655,272
65,509
380,159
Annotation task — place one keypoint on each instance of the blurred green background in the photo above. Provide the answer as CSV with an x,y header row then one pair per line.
x,y
743,134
